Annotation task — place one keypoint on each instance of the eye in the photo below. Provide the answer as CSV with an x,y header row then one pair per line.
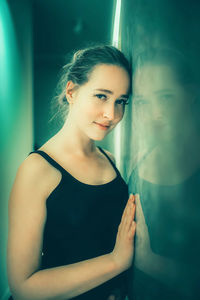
x,y
166,97
101,96
140,102
122,101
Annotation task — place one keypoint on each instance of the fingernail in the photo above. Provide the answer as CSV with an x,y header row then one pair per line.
x,y
133,197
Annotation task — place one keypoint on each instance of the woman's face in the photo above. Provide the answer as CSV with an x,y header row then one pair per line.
x,y
98,105
161,103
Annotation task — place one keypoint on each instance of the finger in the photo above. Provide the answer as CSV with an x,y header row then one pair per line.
x,y
131,199
126,220
129,217
133,211
132,230
132,216
132,208
123,227
139,210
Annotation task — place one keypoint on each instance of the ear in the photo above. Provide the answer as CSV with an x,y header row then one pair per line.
x,y
70,89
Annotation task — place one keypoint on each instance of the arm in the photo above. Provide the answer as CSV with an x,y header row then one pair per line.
x,y
27,215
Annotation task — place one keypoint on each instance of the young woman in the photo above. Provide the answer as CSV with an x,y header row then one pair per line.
x,y
68,196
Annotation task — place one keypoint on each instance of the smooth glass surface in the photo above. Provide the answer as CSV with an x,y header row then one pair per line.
x,y
161,146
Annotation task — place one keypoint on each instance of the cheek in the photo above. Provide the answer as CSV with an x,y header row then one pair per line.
x,y
142,113
90,111
119,113
177,111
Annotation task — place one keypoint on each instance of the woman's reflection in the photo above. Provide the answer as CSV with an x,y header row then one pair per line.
x,y
167,177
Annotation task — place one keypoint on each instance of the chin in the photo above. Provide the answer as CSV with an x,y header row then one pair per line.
x,y
98,136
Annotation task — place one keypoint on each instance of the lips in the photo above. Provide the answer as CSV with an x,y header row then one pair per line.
x,y
103,126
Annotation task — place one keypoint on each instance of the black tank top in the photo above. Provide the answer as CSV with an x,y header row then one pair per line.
x,y
82,223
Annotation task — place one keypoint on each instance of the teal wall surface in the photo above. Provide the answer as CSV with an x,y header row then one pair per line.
x,y
15,108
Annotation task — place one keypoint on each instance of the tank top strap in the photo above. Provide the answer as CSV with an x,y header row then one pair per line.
x,y
49,159
110,160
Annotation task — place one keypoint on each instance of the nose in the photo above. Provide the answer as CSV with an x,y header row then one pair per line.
x,y
157,112
109,111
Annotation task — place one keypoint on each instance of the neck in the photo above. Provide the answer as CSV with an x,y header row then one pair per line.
x,y
71,139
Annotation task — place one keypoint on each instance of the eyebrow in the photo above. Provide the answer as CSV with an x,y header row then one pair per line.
x,y
163,91
155,92
111,93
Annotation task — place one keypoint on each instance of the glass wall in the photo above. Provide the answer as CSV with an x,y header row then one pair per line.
x,y
162,161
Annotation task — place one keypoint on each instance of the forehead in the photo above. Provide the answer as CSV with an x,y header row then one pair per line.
x,y
155,77
109,77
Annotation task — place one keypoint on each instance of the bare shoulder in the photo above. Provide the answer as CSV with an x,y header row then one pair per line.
x,y
32,167
35,167
110,155
35,173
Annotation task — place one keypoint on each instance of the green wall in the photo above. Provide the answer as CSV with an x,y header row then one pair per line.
x,y
15,108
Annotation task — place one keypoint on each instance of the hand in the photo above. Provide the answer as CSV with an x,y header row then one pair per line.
x,y
166,270
142,244
124,246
